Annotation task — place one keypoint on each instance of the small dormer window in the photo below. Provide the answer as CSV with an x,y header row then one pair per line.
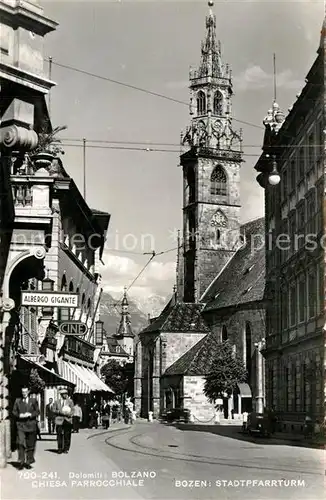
x,y
118,349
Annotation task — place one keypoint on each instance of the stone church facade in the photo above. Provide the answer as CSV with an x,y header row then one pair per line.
x,y
220,277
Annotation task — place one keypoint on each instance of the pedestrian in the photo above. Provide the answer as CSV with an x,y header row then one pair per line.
x,y
93,415
106,414
77,417
308,427
63,410
26,411
50,416
244,421
38,424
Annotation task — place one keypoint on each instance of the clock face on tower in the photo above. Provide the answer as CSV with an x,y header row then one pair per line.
x,y
219,219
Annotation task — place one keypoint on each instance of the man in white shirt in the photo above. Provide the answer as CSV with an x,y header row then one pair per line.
x,y
63,410
244,421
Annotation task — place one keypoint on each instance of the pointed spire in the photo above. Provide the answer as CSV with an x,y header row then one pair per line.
x,y
211,64
125,329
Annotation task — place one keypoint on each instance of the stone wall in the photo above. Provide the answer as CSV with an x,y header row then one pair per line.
x,y
194,400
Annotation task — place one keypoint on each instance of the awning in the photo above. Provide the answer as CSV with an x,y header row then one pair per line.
x,y
245,391
51,378
85,379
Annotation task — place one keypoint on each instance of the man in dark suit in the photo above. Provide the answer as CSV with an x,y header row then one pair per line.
x,y
50,416
63,410
26,411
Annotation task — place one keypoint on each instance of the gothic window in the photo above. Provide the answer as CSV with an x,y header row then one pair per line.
x,y
218,104
64,283
71,286
201,103
224,334
218,181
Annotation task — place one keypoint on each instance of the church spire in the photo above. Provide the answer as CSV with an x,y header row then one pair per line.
x,y
211,64
211,98
124,329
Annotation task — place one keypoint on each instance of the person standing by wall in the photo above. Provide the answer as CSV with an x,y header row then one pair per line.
x,y
63,410
26,411
244,421
50,416
106,415
77,417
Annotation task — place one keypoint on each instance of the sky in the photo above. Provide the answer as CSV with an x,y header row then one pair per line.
x,y
151,44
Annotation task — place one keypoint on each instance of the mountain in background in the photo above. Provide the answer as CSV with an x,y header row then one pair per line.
x,y
139,309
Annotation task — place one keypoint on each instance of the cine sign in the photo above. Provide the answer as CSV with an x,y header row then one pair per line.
x,y
73,328
50,299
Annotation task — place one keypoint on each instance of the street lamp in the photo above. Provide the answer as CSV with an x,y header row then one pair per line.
x,y
47,286
269,175
274,177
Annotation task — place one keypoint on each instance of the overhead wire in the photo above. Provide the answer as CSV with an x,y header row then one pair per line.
x,y
149,143
156,150
134,87
153,255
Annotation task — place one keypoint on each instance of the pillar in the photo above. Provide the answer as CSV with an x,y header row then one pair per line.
x,y
138,378
156,378
259,378
5,432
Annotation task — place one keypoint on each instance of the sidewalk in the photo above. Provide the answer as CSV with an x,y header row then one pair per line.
x,y
84,473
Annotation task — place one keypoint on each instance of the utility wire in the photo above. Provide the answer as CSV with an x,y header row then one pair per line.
x,y
141,272
178,145
154,150
134,87
154,254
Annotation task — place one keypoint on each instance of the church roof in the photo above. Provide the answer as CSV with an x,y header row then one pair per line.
x,y
243,278
181,317
112,344
125,329
198,359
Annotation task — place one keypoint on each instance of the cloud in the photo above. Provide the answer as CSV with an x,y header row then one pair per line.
x,y
119,271
255,78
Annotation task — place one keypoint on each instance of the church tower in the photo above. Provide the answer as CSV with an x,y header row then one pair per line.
x,y
211,160
125,335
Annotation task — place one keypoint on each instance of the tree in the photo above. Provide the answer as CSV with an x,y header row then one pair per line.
x,y
225,373
35,383
119,377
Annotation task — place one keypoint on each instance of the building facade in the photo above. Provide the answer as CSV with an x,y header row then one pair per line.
x,y
220,282
294,155
55,241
